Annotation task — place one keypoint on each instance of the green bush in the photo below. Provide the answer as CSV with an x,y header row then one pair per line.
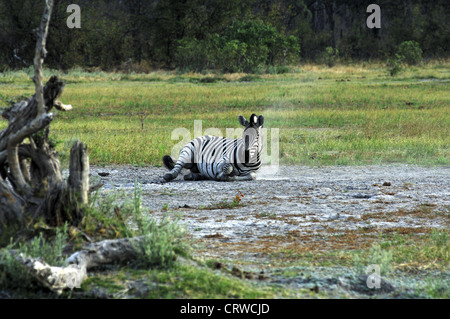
x,y
230,56
395,65
282,69
163,240
410,52
244,46
329,56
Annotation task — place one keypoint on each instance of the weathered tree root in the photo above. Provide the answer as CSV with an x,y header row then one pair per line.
x,y
59,279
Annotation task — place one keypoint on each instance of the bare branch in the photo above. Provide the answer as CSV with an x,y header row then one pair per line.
x,y
40,54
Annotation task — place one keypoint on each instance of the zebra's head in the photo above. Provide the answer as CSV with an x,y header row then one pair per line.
x,y
252,137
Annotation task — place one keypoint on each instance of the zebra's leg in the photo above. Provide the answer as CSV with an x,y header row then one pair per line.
x,y
174,172
184,161
248,177
226,173
194,175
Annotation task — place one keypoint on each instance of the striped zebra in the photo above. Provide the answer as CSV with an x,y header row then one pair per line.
x,y
220,158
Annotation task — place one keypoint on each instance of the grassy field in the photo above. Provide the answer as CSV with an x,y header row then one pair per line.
x,y
345,115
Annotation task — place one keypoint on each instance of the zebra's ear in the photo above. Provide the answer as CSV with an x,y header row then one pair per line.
x,y
260,121
243,121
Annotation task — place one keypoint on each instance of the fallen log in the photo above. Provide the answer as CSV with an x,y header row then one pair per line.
x,y
71,276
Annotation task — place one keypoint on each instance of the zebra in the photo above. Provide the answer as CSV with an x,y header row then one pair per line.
x,y
220,158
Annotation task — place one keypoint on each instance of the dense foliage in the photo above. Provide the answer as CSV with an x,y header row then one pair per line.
x,y
244,47
228,35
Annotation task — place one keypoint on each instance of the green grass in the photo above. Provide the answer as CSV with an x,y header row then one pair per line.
x,y
408,252
326,116
182,281
50,250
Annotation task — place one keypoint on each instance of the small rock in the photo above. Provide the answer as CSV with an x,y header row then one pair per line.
x,y
334,217
236,272
387,184
359,284
103,174
362,196
261,275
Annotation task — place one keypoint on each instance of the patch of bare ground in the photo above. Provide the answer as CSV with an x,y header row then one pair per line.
x,y
314,207
302,216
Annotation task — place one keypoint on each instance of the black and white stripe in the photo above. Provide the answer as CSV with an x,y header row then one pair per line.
x,y
220,158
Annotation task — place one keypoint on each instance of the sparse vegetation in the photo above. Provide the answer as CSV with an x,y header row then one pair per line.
x,y
375,256
48,247
405,252
178,282
108,217
236,202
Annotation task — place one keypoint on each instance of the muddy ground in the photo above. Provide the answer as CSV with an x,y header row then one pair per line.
x,y
297,209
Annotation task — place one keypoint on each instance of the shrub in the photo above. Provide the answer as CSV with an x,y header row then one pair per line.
x,y
410,52
244,46
329,56
265,46
376,256
230,56
395,65
163,240
114,217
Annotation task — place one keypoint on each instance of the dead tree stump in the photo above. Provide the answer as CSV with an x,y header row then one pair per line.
x,y
31,182
66,200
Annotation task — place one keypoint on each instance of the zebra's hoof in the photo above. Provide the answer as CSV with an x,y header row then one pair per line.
x,y
168,177
193,177
227,169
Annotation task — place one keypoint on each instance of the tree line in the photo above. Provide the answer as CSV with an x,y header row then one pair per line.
x,y
230,35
